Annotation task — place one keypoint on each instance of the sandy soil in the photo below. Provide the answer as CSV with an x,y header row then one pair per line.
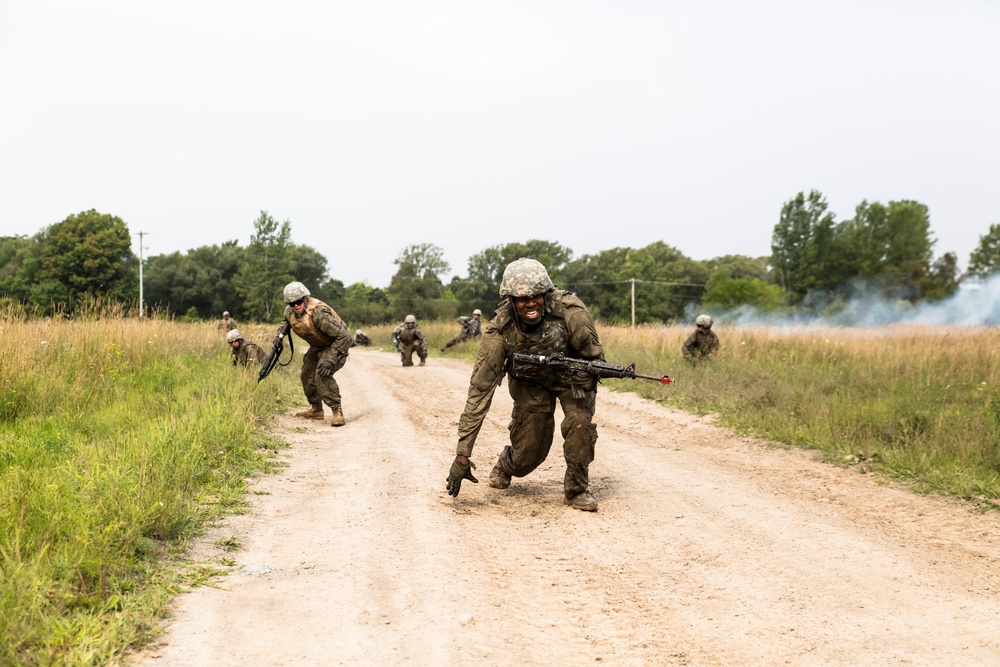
x,y
708,549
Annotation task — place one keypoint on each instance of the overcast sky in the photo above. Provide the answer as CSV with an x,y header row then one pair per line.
x,y
372,125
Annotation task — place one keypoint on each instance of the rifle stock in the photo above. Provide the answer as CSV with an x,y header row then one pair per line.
x,y
599,369
276,349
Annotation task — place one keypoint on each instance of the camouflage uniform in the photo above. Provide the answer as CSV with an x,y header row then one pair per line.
x,y
409,341
472,329
248,353
567,328
328,338
361,338
699,345
226,324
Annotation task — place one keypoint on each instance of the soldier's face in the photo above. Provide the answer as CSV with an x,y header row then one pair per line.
x,y
236,344
530,308
298,306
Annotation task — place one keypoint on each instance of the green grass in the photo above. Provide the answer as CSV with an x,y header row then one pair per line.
x,y
120,440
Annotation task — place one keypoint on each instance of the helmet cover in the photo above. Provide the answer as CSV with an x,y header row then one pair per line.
x,y
525,277
295,291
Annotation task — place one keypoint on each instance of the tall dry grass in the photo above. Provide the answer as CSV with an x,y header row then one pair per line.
x,y
921,403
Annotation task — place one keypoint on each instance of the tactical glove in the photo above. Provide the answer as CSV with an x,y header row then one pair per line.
x,y
325,368
458,472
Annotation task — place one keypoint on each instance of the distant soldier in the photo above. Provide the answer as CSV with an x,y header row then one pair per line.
x,y
702,342
361,338
245,352
227,323
408,339
472,329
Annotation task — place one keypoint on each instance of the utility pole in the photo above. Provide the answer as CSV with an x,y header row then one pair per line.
x,y
142,310
632,280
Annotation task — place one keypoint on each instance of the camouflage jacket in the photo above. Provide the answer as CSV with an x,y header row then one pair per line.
x,y
699,345
409,336
321,327
566,328
248,353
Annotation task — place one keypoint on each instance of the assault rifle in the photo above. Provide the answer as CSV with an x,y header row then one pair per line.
x,y
599,369
276,348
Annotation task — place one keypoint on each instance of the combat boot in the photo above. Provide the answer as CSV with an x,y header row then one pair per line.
x,y
338,416
315,412
498,478
582,501
423,362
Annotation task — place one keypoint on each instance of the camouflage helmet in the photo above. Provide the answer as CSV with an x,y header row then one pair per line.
x,y
225,313
234,334
295,291
704,321
410,318
525,277
477,312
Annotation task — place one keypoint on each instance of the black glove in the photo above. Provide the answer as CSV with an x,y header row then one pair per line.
x,y
325,368
458,472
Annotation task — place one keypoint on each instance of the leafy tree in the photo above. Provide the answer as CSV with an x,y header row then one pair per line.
x,y
203,279
89,254
268,266
802,246
908,255
19,267
741,266
985,259
725,292
482,288
364,304
942,281
416,287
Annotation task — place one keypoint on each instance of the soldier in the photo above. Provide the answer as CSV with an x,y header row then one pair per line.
x,y
245,352
361,338
535,318
702,342
408,339
472,329
227,323
329,341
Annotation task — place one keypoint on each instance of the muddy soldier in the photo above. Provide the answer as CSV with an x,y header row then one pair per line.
x,y
408,339
361,338
702,342
534,318
472,329
245,352
329,341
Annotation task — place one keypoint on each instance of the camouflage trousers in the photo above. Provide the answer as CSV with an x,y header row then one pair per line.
x,y
532,425
407,352
318,389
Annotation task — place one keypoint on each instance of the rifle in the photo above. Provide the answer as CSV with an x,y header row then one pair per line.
x,y
276,348
599,369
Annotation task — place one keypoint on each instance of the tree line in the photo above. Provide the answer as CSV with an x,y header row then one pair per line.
x,y
816,263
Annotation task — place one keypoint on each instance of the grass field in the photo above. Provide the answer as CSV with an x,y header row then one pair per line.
x,y
122,438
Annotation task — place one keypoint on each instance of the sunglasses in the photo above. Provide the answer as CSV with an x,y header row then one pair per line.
x,y
297,302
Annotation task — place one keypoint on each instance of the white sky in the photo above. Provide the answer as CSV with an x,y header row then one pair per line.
x,y
375,125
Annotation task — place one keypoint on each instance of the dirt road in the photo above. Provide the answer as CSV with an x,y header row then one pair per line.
x,y
708,549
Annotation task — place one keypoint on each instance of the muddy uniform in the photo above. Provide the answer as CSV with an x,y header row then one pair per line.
x,y
568,329
361,338
699,345
226,324
248,353
409,341
329,340
472,328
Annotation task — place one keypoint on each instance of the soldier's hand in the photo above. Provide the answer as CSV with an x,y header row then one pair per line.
x,y
325,368
458,472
